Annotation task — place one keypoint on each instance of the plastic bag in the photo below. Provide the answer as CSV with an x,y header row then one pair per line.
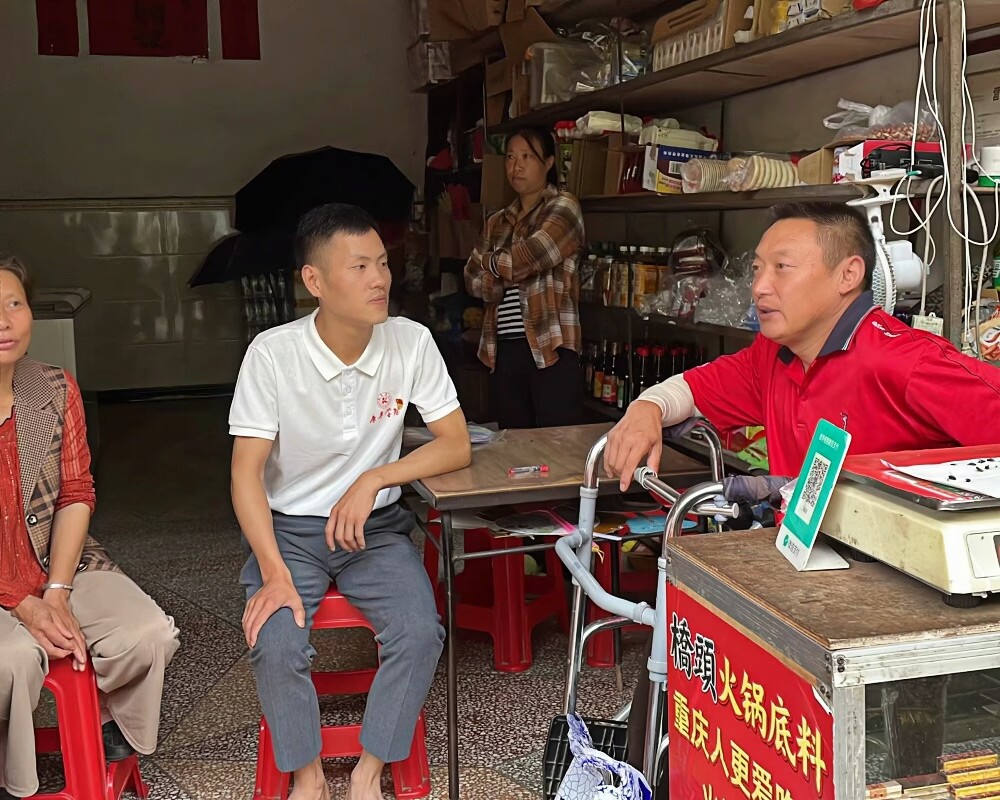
x,y
859,121
595,776
725,300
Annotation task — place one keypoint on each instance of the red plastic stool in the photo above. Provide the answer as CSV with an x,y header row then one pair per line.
x,y
494,596
600,646
78,737
411,777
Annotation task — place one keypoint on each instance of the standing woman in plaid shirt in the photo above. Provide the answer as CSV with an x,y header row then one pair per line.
x,y
60,594
525,268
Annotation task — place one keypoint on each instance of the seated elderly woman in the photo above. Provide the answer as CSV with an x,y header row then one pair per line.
x,y
60,594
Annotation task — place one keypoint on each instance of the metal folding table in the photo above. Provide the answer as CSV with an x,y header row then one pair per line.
x,y
485,483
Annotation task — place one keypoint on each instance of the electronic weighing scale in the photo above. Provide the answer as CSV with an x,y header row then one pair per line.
x,y
944,537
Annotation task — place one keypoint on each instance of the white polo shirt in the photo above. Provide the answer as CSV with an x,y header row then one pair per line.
x,y
331,422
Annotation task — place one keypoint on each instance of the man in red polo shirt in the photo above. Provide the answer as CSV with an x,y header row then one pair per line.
x,y
825,351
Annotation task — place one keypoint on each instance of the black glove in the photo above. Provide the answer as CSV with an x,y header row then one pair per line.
x,y
754,488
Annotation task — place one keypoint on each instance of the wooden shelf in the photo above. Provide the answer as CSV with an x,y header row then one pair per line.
x,y
739,334
570,12
809,49
647,202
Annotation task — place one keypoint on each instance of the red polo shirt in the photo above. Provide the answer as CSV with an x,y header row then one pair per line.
x,y
893,387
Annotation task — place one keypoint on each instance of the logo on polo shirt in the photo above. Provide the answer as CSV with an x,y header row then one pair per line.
x,y
885,331
388,407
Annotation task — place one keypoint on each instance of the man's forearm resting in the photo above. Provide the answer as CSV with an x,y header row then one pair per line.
x,y
254,515
443,454
674,399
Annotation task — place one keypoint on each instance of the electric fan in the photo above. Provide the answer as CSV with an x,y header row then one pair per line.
x,y
897,268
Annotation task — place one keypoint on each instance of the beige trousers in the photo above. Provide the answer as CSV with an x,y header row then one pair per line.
x,y
131,641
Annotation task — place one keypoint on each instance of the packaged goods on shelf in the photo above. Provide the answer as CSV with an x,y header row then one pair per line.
x,y
594,123
429,63
762,172
662,167
775,16
700,28
668,132
857,121
559,71
706,174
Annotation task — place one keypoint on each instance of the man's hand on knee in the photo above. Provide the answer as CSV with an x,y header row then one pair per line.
x,y
274,594
346,527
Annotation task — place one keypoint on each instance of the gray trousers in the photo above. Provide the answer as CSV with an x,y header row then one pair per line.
x,y
388,584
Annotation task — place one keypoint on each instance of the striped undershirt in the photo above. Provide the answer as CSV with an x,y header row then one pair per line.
x,y
510,322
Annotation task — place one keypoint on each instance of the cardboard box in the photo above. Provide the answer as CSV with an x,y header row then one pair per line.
x,y
985,90
588,167
495,191
499,77
429,63
518,36
662,167
452,20
517,8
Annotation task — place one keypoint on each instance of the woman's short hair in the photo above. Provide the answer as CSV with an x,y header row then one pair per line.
x,y
18,270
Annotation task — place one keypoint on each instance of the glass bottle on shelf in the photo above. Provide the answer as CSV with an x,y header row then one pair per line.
x,y
597,389
642,372
609,391
659,366
622,370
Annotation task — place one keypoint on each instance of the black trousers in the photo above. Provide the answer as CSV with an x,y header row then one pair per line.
x,y
524,396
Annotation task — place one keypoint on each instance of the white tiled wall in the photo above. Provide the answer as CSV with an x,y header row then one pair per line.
x,y
143,327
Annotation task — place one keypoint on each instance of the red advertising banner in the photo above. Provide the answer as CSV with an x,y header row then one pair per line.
x,y
58,34
148,27
741,722
240,29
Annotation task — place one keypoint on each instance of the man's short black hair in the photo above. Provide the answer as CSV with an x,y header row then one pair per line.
x,y
319,226
843,231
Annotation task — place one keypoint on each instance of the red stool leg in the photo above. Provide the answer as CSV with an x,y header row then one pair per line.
x,y
271,783
80,741
555,569
511,634
124,776
601,647
411,778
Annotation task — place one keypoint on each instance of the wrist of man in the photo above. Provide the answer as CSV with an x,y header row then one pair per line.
x,y
274,571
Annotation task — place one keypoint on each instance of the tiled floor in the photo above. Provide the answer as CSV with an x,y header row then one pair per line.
x,y
164,512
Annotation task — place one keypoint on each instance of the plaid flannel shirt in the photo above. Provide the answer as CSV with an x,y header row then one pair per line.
x,y
540,255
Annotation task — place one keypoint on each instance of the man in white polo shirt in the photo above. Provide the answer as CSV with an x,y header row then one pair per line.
x,y
318,420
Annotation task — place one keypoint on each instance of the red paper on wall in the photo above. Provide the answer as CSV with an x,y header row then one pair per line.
x,y
58,32
148,27
742,724
240,29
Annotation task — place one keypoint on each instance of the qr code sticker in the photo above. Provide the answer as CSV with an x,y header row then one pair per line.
x,y
809,499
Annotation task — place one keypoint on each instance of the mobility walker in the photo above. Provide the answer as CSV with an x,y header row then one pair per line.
x,y
574,549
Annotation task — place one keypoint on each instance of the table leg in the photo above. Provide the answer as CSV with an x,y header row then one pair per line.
x,y
452,671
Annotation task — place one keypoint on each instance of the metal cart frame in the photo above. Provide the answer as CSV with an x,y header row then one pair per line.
x,y
575,552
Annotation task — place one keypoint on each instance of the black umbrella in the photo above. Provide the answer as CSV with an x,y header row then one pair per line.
x,y
292,185
245,254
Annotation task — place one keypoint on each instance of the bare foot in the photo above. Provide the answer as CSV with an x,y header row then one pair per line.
x,y
366,779
366,792
310,783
